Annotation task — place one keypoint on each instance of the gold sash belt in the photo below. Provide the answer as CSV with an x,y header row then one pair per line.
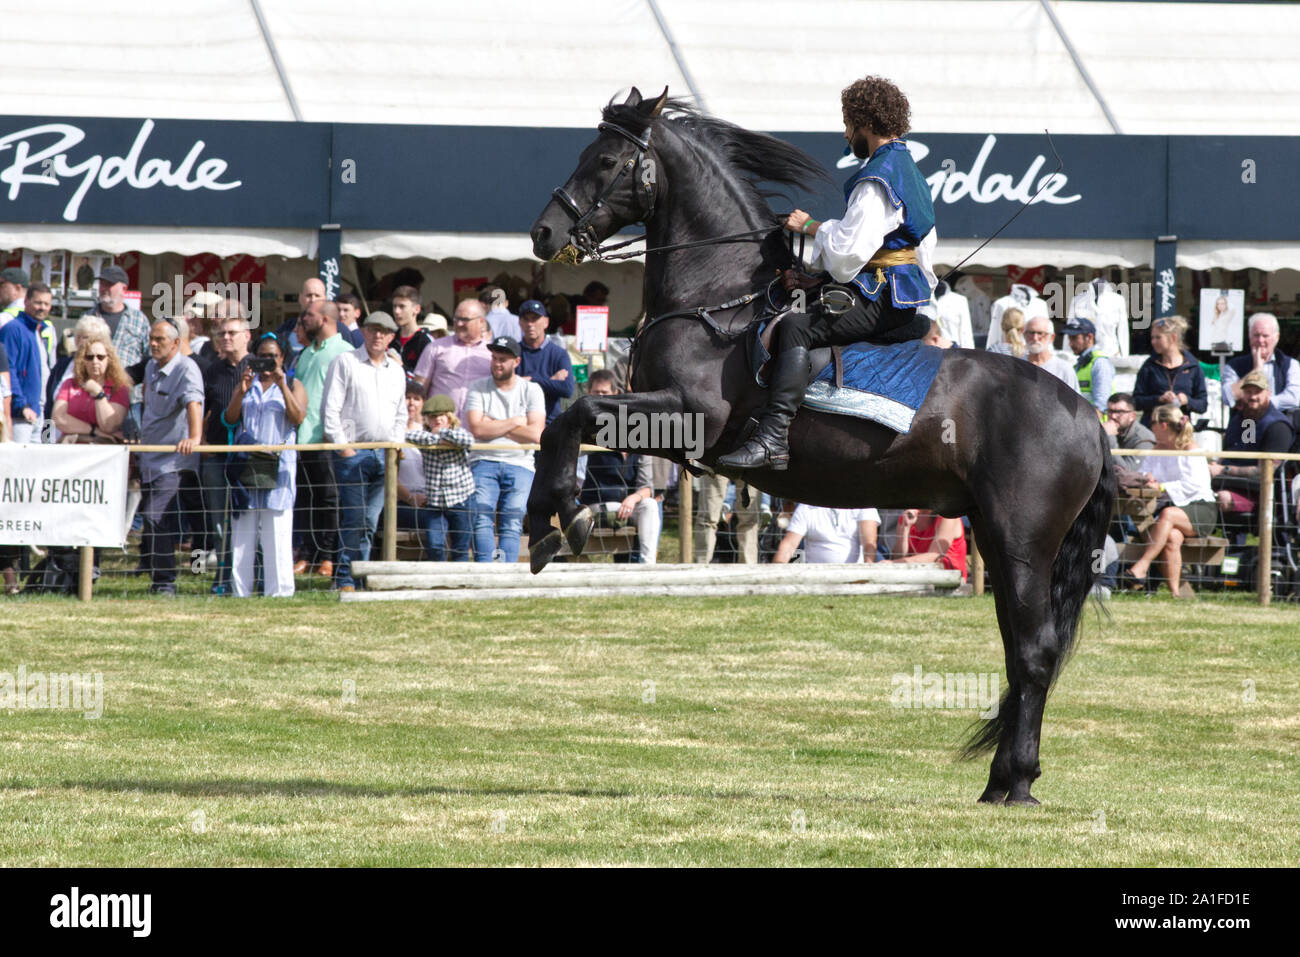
x,y
884,258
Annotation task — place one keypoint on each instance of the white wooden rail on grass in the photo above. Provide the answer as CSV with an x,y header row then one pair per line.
x,y
459,581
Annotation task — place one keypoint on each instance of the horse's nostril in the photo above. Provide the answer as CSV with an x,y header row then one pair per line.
x,y
541,233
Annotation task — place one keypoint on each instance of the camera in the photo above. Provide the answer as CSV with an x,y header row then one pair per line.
x,y
261,364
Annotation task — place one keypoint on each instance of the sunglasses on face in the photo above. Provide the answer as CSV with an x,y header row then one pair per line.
x,y
96,357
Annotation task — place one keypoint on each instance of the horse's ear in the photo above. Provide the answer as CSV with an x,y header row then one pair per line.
x,y
658,106
634,98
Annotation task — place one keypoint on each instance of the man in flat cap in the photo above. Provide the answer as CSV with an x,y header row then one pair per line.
x,y
1257,425
364,401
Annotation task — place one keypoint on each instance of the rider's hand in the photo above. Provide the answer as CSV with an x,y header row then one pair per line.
x,y
795,221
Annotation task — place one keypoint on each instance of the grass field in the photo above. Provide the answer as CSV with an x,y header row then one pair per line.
x,y
529,733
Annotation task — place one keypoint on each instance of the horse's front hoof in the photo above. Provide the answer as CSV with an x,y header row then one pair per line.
x,y
579,530
540,554
992,796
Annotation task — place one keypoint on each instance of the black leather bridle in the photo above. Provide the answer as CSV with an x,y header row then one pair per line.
x,y
582,234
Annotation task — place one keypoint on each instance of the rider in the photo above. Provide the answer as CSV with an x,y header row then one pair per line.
x,y
882,251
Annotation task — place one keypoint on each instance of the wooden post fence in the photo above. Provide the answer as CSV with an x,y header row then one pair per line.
x,y
685,517
1265,565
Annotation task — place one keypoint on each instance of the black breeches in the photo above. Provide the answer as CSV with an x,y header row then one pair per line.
x,y
876,322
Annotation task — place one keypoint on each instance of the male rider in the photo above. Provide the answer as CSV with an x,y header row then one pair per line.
x,y
880,252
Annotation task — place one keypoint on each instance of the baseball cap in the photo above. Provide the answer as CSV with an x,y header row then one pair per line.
x,y
15,275
381,319
1080,327
113,274
535,306
506,344
1257,379
434,322
436,404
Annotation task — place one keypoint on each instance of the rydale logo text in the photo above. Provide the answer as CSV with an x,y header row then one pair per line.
x,y
949,184
41,157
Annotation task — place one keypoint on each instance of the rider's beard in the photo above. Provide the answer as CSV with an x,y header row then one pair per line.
x,y
861,146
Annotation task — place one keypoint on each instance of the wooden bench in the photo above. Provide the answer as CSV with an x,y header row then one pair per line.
x,y
606,541
1196,551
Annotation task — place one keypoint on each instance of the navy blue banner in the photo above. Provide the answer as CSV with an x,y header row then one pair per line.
x,y
163,173
329,261
1165,299
497,179
1234,187
486,179
979,181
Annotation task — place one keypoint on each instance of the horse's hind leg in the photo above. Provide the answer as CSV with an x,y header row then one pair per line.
x,y
1022,591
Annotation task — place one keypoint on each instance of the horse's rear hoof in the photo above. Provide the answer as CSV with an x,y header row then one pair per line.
x,y
993,797
1025,801
540,554
579,530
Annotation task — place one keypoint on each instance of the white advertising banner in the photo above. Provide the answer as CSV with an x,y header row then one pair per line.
x,y
63,494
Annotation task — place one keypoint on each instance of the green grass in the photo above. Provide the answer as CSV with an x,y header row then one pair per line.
x,y
517,733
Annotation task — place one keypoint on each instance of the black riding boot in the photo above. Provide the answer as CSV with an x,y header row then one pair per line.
x,y
769,445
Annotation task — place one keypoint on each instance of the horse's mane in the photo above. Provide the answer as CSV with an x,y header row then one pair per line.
x,y
757,158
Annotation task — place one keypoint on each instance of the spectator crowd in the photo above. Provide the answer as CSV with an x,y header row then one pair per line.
x,y
465,393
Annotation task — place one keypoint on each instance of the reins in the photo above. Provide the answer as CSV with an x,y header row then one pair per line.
x,y
601,253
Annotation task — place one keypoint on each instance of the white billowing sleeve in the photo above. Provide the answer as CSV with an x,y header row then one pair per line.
x,y
843,246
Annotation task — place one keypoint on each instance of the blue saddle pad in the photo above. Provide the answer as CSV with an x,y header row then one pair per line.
x,y
886,384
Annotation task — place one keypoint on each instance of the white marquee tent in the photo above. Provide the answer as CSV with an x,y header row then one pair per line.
x,y
1073,66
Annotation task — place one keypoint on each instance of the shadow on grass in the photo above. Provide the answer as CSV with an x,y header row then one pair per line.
x,y
314,787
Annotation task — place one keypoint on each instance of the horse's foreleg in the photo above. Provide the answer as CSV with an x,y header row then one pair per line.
x,y
606,420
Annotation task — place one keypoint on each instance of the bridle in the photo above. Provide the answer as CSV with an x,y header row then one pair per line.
x,y
582,233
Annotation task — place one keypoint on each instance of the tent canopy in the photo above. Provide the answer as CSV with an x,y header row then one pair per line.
x,y
1002,66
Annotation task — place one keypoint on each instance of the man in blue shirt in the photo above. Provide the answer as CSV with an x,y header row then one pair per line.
x,y
26,362
543,361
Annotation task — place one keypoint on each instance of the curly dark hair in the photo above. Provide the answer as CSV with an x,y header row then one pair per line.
x,y
877,104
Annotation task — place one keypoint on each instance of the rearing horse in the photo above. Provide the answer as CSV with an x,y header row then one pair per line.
x,y
996,439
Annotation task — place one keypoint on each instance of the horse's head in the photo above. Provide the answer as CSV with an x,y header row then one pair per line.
x,y
614,185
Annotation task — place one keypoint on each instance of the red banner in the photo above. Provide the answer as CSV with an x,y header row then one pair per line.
x,y
203,269
131,263
247,269
1028,276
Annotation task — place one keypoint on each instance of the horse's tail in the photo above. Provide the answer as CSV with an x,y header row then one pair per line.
x,y
1074,572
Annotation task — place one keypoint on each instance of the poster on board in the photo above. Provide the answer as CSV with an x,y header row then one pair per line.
x,y
592,329
1222,319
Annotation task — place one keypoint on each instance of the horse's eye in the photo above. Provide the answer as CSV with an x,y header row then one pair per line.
x,y
608,162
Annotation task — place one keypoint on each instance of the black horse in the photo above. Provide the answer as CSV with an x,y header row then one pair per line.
x,y
996,439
